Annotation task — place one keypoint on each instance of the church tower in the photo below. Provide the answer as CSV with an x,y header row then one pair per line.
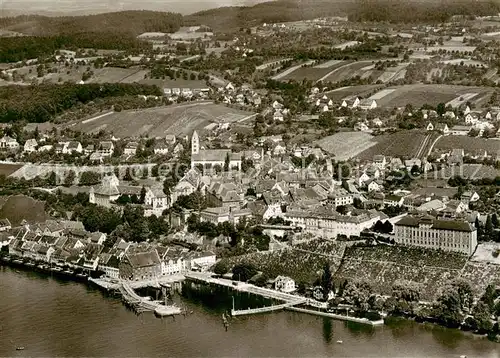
x,y
195,143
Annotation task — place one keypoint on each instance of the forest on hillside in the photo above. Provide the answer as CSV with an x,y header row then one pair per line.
x,y
124,22
14,49
42,103
413,11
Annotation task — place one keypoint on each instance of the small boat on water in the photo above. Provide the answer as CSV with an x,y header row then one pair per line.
x,y
339,342
30,264
17,262
19,348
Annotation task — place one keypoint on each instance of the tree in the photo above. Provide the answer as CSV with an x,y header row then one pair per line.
x,y
441,109
326,280
90,178
488,227
481,314
221,267
142,197
244,272
227,162
70,177
494,220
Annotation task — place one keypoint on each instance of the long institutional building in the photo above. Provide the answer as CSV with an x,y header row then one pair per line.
x,y
429,232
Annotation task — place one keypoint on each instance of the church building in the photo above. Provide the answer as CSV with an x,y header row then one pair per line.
x,y
209,158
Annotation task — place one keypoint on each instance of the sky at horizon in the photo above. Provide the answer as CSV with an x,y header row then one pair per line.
x,y
11,7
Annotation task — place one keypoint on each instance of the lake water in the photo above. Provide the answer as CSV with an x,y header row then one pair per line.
x,y
50,317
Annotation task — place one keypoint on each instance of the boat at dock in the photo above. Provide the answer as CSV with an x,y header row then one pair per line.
x,y
17,262
30,264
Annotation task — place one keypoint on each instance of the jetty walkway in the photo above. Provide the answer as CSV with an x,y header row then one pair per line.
x,y
289,299
141,304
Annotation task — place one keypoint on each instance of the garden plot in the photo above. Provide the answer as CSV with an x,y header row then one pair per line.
x,y
458,101
346,145
328,64
381,94
393,73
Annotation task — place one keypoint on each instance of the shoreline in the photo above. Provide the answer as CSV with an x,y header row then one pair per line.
x,y
106,286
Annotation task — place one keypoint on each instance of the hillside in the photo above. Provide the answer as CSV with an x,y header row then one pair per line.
x,y
129,22
229,18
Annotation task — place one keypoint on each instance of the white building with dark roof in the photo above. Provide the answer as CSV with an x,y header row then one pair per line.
x,y
429,232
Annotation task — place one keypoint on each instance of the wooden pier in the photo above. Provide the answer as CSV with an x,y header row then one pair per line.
x,y
288,299
140,304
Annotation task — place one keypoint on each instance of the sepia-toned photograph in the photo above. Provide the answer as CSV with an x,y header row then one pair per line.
x,y
250,178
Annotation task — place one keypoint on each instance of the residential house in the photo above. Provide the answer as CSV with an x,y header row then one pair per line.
x,y
30,145
368,104
110,265
72,147
471,118
442,128
222,214
8,143
172,260
340,197
430,127
460,130
278,116
201,261
170,139
106,148
5,225
284,284
156,200
161,148
131,148
380,161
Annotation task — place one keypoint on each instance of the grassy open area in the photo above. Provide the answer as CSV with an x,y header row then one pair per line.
x,y
346,145
19,207
7,169
159,121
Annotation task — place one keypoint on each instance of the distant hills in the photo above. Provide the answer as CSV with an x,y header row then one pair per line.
x,y
134,22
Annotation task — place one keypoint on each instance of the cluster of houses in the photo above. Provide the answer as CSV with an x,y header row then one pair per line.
x,y
67,243
325,104
96,153
479,121
244,95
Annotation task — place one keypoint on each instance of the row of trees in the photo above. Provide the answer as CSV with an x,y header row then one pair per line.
x,y
42,103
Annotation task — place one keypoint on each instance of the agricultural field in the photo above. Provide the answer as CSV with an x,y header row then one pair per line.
x,y
19,207
419,94
7,169
346,145
113,74
350,70
404,144
303,263
468,144
159,121
383,265
339,94
59,73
